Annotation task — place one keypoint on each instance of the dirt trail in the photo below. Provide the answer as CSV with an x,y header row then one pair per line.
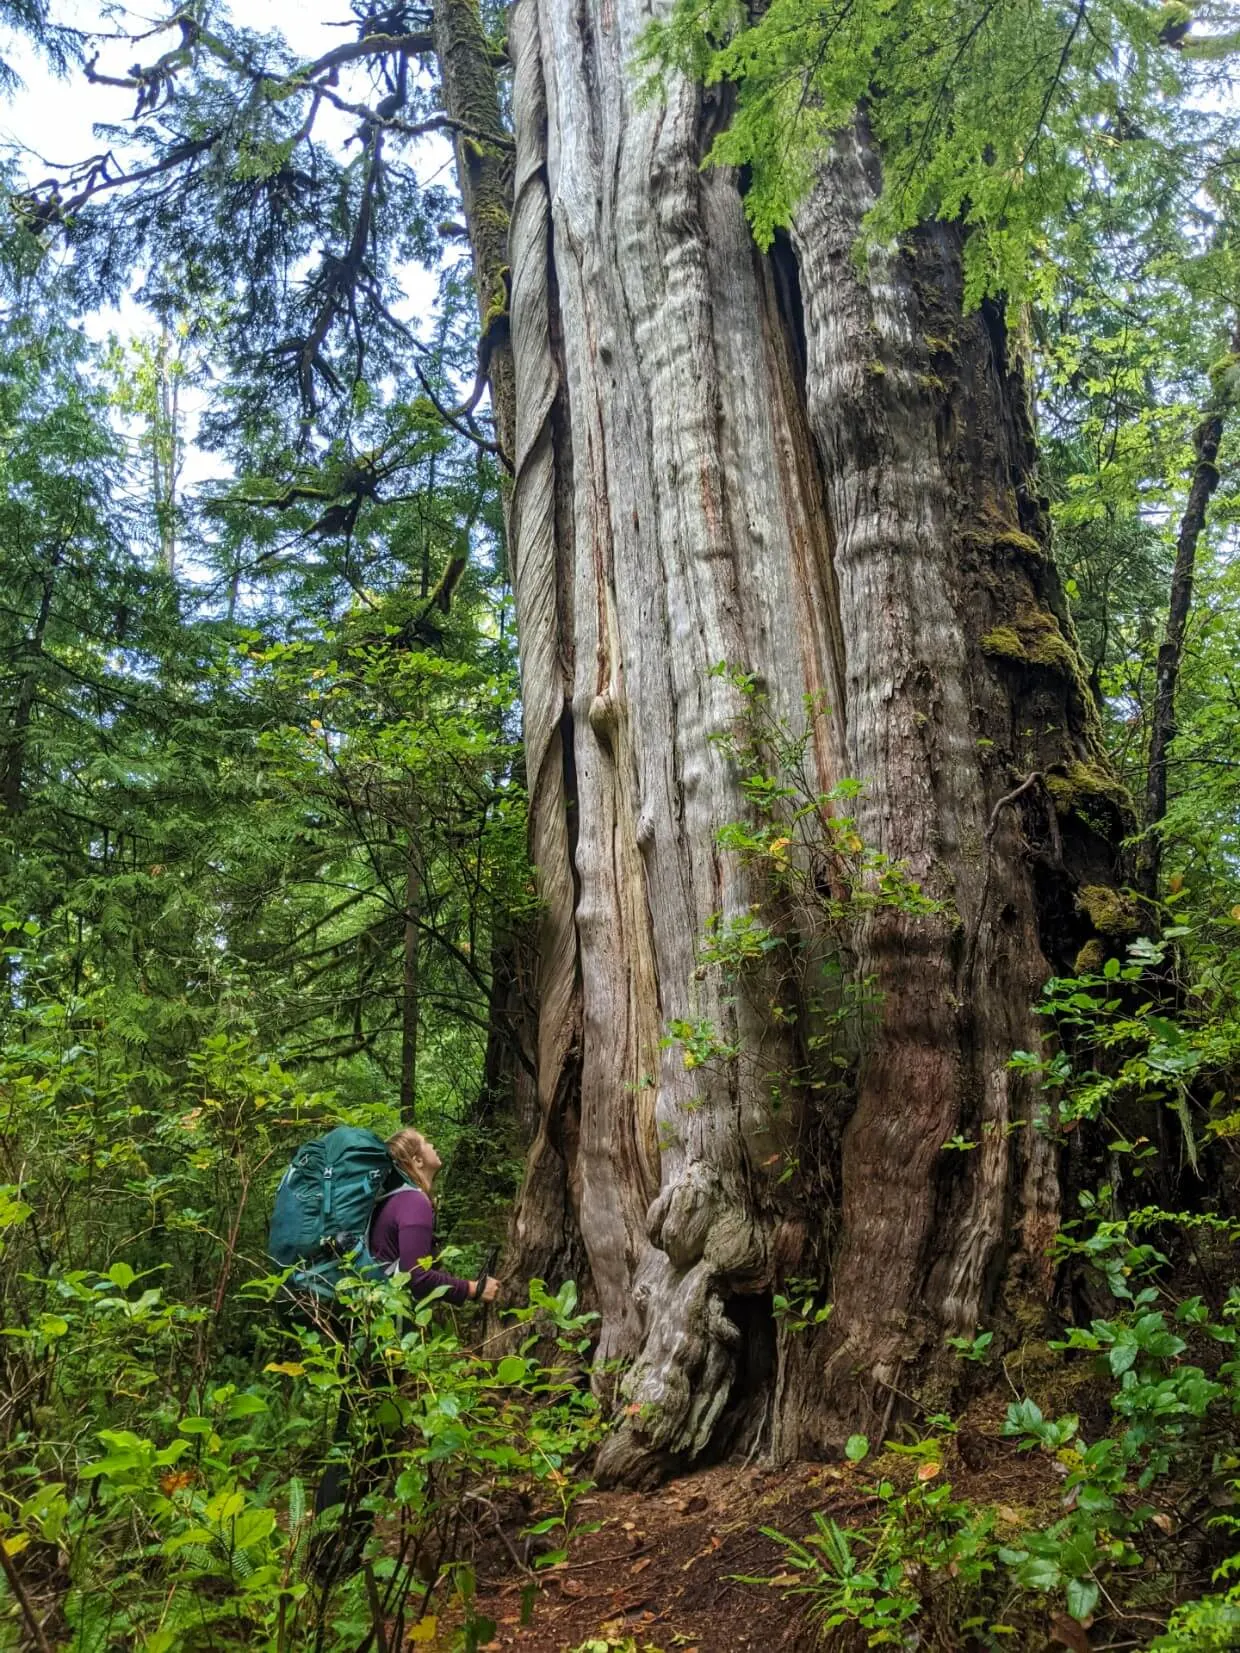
x,y
659,1571
660,1568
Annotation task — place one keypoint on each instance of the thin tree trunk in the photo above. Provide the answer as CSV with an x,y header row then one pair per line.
x,y
1206,440
16,737
166,452
484,170
409,1003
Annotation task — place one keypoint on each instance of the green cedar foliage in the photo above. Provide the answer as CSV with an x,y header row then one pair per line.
x,y
998,114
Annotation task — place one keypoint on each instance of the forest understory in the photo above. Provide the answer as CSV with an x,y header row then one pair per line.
x,y
646,597
699,1563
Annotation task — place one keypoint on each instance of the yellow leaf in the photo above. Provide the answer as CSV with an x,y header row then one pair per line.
x,y
315,724
927,1472
781,1581
16,1544
423,1630
290,1368
1235,913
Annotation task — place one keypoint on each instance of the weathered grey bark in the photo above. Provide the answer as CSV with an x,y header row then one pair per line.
x,y
1206,440
825,479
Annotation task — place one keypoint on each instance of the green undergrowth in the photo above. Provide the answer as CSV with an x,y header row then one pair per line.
x,y
186,1520
164,1423
1091,1481
1119,1506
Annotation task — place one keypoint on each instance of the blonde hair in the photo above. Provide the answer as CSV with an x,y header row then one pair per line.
x,y
408,1150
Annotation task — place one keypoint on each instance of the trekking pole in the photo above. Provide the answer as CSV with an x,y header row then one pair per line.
x,y
488,1268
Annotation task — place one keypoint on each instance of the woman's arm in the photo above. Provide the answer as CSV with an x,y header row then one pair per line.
x,y
415,1222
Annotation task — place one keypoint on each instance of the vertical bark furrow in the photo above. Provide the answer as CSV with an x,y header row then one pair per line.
x,y
545,1210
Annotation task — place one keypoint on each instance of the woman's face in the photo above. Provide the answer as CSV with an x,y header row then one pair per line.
x,y
431,1161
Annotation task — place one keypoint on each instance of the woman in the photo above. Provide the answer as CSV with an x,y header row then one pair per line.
x,y
402,1230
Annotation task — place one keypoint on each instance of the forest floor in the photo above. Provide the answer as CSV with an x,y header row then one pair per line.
x,y
658,1572
658,1567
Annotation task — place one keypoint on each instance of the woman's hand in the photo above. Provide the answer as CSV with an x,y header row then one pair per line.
x,y
490,1289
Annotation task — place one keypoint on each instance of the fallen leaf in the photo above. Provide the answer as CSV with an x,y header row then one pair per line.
x,y
1068,1633
640,1566
781,1581
1164,1522
423,1630
572,1586
927,1472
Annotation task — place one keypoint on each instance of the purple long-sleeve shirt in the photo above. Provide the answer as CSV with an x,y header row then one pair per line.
x,y
402,1231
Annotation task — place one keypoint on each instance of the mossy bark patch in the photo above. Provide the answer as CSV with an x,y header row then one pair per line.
x,y
1076,786
1091,958
1032,638
1110,912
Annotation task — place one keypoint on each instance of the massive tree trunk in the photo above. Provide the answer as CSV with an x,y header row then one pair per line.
x,y
824,478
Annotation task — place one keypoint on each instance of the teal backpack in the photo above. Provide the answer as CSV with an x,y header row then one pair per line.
x,y
324,1205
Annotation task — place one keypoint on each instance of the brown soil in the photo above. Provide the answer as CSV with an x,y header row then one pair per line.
x,y
660,1567
658,1574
